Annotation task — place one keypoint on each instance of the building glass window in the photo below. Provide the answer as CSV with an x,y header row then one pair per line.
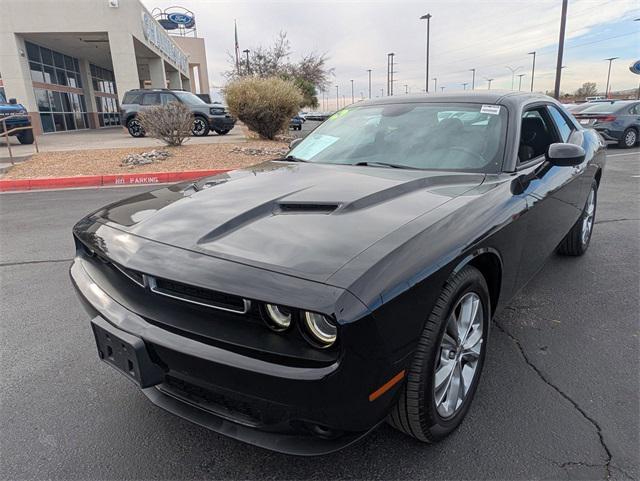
x,y
59,111
103,81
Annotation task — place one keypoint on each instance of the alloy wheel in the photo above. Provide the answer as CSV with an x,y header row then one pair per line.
x,y
198,127
460,350
630,138
587,221
135,129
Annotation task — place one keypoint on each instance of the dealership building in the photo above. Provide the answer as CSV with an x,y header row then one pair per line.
x,y
70,62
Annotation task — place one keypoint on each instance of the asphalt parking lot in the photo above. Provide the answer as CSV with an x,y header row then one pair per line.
x,y
558,397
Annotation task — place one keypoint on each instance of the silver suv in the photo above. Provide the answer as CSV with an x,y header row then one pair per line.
x,y
207,117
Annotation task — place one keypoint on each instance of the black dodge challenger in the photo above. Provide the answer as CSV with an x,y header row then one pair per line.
x,y
299,303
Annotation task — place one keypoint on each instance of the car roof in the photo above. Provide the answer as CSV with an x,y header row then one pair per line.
x,y
473,96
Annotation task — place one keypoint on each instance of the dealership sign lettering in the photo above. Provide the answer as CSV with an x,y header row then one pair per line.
x,y
156,35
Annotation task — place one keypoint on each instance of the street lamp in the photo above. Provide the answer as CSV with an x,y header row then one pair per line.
x,y
441,89
435,84
337,99
369,82
610,60
533,67
352,97
489,80
520,81
473,78
247,53
427,17
406,89
464,86
513,71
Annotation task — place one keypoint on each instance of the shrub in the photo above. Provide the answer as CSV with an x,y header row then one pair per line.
x,y
171,123
265,105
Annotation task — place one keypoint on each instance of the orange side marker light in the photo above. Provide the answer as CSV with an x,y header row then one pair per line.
x,y
386,386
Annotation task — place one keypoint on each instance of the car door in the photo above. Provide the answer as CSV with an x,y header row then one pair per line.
x,y
554,194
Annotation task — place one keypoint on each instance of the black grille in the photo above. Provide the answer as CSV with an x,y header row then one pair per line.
x,y
135,276
199,295
214,401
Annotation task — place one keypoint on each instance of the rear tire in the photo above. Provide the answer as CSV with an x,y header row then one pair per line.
x,y
577,240
428,412
25,137
134,127
629,139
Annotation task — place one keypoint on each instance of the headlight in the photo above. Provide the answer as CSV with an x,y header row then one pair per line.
x,y
320,328
278,317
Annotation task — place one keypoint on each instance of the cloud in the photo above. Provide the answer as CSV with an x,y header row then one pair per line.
x,y
487,35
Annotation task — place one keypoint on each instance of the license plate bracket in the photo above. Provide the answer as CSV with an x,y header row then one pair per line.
x,y
125,353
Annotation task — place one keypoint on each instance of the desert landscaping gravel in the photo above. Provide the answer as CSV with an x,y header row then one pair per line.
x,y
184,158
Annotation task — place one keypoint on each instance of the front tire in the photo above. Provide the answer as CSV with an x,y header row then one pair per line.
x,y
445,371
629,139
577,240
200,127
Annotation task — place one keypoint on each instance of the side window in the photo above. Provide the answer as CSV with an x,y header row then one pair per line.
x,y
563,126
635,109
151,99
535,134
167,98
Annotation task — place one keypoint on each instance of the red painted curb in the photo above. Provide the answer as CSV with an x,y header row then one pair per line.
x,y
105,180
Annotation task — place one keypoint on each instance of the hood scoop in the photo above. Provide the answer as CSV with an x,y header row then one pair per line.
x,y
305,208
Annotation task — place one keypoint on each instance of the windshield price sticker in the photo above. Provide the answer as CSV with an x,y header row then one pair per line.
x,y
490,109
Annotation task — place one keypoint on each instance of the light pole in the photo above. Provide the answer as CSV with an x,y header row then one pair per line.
x,y
369,82
390,73
520,81
337,99
427,17
441,89
473,78
406,89
381,92
513,71
464,86
563,24
247,54
489,80
352,98
435,84
610,60
533,67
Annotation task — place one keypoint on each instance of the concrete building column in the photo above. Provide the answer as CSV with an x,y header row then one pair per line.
x,y
16,75
89,93
175,82
157,73
123,59
186,83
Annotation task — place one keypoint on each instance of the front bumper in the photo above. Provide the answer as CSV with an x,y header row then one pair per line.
x,y
290,409
222,122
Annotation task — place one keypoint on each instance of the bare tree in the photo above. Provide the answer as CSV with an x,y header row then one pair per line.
x,y
588,89
171,123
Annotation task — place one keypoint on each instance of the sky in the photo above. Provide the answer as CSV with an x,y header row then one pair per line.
x,y
487,35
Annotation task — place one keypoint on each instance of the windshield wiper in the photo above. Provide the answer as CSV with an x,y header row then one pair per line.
x,y
291,158
383,164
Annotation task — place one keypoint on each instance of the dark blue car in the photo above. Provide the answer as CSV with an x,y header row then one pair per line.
x,y
11,111
618,121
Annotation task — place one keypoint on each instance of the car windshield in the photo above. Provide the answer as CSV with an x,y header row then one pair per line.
x,y
189,98
435,136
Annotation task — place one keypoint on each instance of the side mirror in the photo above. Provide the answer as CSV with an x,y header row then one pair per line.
x,y
13,101
294,142
565,155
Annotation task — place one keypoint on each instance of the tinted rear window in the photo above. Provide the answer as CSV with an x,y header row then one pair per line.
x,y
603,108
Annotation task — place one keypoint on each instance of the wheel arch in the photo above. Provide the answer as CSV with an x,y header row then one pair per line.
x,y
489,262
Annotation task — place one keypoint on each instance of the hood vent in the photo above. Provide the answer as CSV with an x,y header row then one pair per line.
x,y
305,208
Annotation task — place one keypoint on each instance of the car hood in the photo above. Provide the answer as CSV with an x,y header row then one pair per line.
x,y
302,219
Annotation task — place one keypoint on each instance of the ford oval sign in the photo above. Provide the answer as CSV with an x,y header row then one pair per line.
x,y
183,19
635,67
